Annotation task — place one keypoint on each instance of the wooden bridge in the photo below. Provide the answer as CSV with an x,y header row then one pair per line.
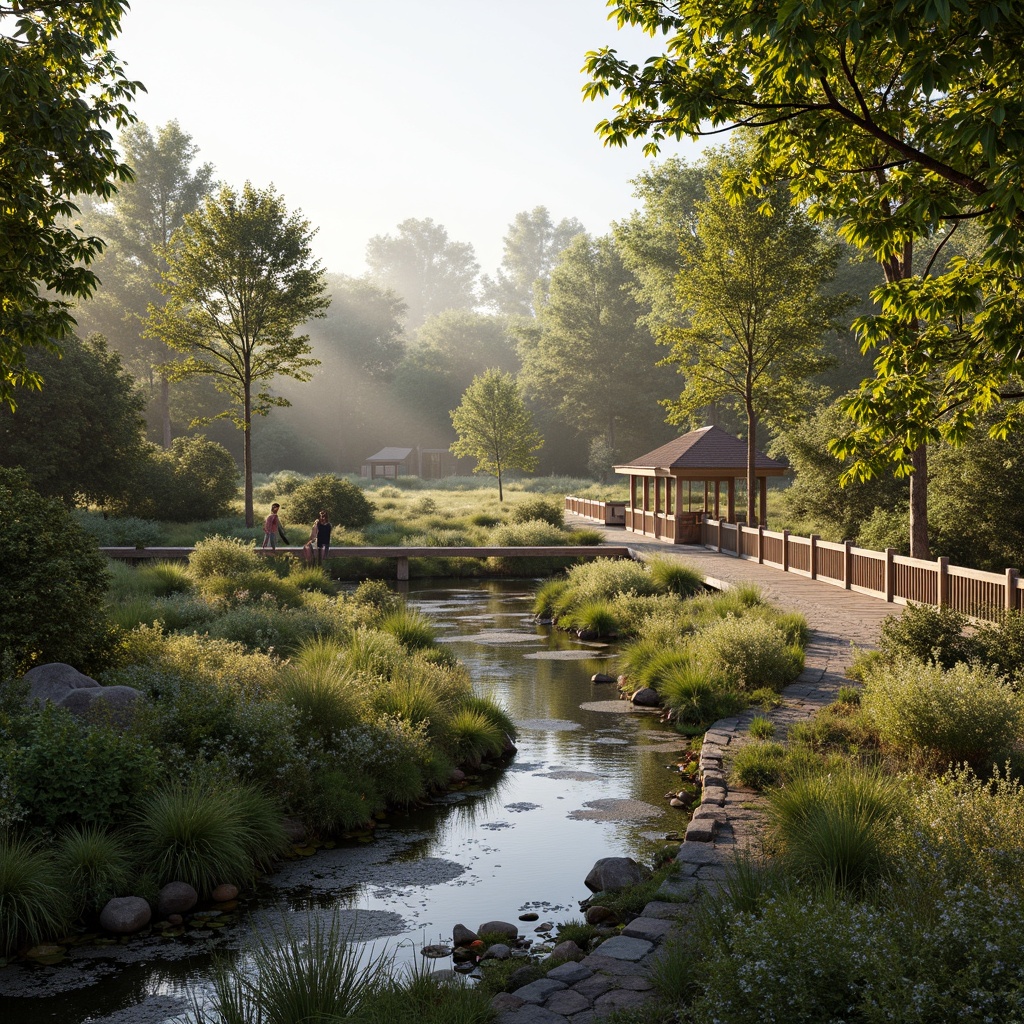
x,y
400,555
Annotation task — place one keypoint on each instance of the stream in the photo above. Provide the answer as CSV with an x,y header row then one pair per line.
x,y
589,781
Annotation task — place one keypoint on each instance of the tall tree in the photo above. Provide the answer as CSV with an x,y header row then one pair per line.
x,y
495,427
137,224
60,89
588,357
421,264
749,289
532,246
898,120
240,279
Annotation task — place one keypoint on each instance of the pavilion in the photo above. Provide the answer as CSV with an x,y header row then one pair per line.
x,y
661,491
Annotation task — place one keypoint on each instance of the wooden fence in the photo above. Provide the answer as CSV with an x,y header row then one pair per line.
x,y
884,574
611,513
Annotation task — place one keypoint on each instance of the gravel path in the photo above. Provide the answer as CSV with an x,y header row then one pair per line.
x,y
728,820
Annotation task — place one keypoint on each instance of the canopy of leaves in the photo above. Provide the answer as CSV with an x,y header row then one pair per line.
x,y
60,89
80,438
345,504
495,427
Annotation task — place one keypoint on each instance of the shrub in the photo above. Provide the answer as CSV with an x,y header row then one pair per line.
x,y
196,478
965,714
927,634
833,828
95,867
411,628
119,531
347,506
423,998
52,581
376,595
750,652
546,596
205,835
326,698
1001,645
310,578
474,736
584,537
337,800
674,577
759,765
762,728
166,578
542,509
254,585
534,533
223,556
265,627
33,904
594,617
494,711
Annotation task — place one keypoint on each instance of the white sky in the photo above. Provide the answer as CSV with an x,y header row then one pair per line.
x,y
366,112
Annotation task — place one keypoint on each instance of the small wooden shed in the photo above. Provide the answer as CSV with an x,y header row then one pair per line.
x,y
427,463
662,496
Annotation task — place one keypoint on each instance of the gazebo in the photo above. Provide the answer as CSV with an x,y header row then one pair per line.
x,y
661,491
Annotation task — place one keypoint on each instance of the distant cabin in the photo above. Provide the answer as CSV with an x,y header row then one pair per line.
x,y
426,463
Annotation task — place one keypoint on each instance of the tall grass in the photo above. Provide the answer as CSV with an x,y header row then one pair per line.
x,y
33,900
95,865
671,576
475,736
411,628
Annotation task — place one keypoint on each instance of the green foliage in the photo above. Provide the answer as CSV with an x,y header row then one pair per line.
x,y
346,505
475,736
206,834
593,617
495,427
924,633
547,510
412,629
258,585
534,533
1001,644
673,577
576,930
833,828
377,596
326,698
546,597
336,800
963,714
422,998
223,556
50,601
749,651
64,89
762,728
759,765
33,900
119,531
95,866
66,771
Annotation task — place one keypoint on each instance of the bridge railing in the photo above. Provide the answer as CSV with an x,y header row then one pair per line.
x,y
611,513
885,574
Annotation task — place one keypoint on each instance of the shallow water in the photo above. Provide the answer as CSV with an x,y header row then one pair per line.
x,y
588,782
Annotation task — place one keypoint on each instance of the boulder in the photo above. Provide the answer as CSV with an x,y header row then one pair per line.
x,y
456,777
503,928
115,704
224,893
55,681
613,874
599,915
125,915
499,951
567,950
176,898
646,697
463,936
603,677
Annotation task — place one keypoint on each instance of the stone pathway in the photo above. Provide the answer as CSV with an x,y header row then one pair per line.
x,y
728,820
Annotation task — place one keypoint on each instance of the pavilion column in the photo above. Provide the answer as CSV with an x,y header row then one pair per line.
x,y
764,500
732,500
718,495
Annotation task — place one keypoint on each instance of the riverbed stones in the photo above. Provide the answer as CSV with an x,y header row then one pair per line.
x,y
503,928
599,915
499,951
646,697
613,874
463,936
224,893
603,677
436,951
125,915
567,950
176,898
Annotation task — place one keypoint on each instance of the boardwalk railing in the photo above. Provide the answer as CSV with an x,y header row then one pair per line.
x,y
895,578
402,555
612,513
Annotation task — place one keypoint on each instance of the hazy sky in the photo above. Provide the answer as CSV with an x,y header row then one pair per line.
x,y
366,112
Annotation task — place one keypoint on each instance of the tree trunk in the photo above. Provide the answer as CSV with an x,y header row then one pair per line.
x,y
165,410
247,455
919,547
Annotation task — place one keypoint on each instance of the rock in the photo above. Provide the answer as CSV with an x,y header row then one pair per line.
x,y
175,919
567,950
457,777
586,634
602,677
613,874
462,955
524,976
55,681
529,916
114,704
503,928
599,915
462,936
499,951
545,927
506,1001
436,951
224,893
646,697
676,802
125,915
294,829
176,898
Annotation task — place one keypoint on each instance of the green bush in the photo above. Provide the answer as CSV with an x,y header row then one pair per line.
x,y
762,728
534,533
546,596
759,765
412,629
474,736
543,509
671,576
119,531
967,713
252,586
326,698
1001,645
594,617
223,556
347,506
750,651
95,866
52,582
925,633
33,900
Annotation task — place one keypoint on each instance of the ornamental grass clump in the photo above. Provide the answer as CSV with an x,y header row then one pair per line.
x,y
834,828
474,737
759,765
964,714
750,652
326,697
593,617
222,556
34,904
671,576
413,630
95,866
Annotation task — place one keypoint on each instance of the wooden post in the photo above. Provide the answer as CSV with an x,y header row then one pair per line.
x,y
719,521
814,556
732,500
890,574
943,581
1011,590
718,494
403,568
847,564
760,544
764,501
739,540
785,550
